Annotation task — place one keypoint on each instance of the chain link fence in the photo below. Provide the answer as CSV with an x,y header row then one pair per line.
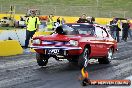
x,y
63,10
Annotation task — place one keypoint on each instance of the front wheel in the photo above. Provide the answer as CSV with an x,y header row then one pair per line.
x,y
107,59
42,60
83,58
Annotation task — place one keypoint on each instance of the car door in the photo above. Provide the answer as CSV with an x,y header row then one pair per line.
x,y
106,41
100,43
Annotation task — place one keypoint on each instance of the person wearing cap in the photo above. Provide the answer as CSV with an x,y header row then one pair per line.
x,y
32,23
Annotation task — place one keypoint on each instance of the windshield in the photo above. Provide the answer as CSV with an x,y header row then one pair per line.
x,y
78,29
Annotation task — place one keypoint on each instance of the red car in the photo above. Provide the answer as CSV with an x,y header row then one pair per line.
x,y
76,42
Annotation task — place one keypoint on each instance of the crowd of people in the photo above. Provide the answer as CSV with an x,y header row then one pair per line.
x,y
51,24
116,25
119,24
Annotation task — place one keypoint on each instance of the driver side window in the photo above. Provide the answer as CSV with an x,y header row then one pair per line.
x,y
100,32
104,34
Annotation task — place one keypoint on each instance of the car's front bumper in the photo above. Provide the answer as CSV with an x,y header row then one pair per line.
x,y
56,47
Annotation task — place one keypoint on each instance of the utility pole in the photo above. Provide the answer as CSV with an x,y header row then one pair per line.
x,y
124,14
97,2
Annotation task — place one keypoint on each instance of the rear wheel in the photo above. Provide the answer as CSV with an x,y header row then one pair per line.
x,y
107,59
42,60
83,58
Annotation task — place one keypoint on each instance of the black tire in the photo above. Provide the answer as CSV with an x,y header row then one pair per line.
x,y
107,58
42,60
83,58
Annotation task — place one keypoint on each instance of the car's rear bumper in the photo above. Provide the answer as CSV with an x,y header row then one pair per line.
x,y
56,47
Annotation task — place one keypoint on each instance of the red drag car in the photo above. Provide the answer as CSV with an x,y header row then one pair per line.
x,y
76,42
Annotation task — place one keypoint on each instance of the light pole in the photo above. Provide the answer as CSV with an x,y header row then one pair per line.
x,y
97,2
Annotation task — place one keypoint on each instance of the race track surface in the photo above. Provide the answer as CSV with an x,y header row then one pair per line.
x,y
22,71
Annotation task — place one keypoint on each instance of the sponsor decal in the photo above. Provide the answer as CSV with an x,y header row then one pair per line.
x,y
86,81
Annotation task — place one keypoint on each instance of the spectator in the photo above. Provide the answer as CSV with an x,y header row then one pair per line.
x,y
130,30
91,20
118,29
50,22
114,29
125,27
60,21
57,23
21,18
82,19
63,21
32,23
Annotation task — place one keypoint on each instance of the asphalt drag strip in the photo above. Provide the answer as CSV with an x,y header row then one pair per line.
x,y
22,71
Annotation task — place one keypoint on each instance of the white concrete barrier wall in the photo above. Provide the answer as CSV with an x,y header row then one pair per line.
x,y
18,34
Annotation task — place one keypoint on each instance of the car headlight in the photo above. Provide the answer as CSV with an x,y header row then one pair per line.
x,y
36,41
73,42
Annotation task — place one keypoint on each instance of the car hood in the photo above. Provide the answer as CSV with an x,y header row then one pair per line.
x,y
59,37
